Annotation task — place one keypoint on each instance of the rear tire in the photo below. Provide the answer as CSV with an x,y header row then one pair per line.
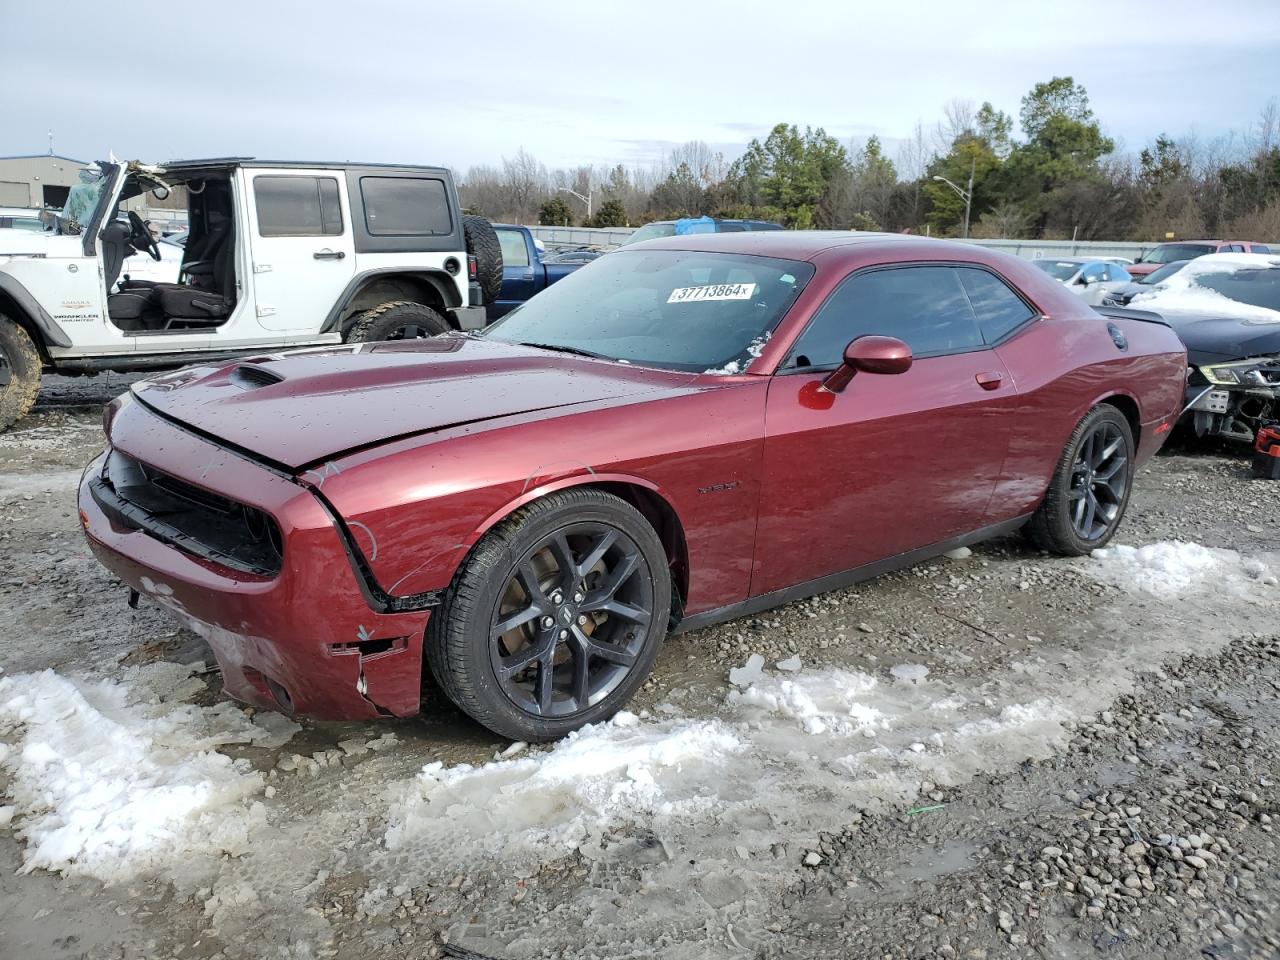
x,y
19,373
397,320
589,628
1090,488
482,243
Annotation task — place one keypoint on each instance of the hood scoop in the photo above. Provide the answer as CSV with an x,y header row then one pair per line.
x,y
249,377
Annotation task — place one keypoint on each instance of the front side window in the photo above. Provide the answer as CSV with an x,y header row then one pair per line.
x,y
926,307
290,206
514,251
682,310
405,206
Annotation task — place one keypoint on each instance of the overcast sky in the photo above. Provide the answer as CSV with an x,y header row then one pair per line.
x,y
598,82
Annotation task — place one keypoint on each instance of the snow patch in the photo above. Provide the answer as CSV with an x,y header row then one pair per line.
x,y
596,777
112,779
1163,569
827,702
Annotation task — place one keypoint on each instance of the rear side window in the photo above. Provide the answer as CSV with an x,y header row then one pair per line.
x,y
998,309
1261,248
926,307
514,251
297,206
405,206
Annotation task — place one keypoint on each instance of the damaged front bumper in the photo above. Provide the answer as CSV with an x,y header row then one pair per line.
x,y
1231,400
302,638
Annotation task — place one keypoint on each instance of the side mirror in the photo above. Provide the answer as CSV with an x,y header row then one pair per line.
x,y
1085,281
869,354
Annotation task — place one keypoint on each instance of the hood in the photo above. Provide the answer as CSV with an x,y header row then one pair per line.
x,y
1142,269
304,407
1213,339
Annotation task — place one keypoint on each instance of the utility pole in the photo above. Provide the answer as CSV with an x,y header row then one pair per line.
x,y
586,199
965,195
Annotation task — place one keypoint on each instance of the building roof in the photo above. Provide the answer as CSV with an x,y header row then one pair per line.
x,y
44,156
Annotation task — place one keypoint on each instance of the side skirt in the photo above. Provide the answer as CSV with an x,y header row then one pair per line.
x,y
845,578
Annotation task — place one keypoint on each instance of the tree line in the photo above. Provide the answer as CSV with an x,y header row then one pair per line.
x,y
1062,179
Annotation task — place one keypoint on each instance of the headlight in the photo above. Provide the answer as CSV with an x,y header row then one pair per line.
x,y
1260,372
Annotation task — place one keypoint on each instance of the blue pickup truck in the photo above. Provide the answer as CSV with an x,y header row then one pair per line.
x,y
525,269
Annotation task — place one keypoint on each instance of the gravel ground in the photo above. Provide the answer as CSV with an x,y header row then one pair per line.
x,y
1133,818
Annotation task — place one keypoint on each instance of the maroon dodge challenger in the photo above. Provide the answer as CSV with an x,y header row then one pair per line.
x,y
682,432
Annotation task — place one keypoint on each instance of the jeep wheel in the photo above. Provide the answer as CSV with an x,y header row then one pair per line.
x,y
482,243
397,320
19,373
555,618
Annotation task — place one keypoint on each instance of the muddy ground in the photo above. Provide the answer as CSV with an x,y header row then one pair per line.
x,y
1048,762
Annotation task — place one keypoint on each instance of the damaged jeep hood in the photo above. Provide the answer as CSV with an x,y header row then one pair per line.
x,y
300,408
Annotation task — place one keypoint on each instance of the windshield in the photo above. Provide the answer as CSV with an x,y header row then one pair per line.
x,y
1168,270
1169,252
703,312
1256,286
82,199
1058,269
651,231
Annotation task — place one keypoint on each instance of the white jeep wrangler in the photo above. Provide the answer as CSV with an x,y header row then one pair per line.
x,y
278,255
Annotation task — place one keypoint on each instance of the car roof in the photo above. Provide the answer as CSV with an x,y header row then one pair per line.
x,y
223,162
1174,243
792,244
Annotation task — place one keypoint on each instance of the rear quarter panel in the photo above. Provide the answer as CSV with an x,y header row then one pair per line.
x,y
1065,365
417,507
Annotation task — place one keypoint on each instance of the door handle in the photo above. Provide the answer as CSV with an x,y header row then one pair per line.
x,y
529,275
329,254
989,381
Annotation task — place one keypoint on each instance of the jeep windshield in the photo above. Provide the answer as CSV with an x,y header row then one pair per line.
x,y
82,200
677,309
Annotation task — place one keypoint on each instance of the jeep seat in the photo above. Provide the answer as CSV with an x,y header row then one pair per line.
x,y
134,309
209,296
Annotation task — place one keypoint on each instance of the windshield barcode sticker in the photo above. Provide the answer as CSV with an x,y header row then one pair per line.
x,y
714,291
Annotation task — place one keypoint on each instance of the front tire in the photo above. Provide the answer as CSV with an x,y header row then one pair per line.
x,y
1089,492
19,373
555,618
397,320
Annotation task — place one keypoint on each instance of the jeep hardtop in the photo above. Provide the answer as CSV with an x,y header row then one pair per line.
x,y
279,254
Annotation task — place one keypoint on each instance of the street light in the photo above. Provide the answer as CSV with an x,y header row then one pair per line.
x,y
965,195
586,199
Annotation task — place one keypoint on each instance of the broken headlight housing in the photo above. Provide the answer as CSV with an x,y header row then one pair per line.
x,y
1256,372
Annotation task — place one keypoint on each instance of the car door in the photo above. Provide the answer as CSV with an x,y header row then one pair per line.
x,y
301,244
894,462
518,283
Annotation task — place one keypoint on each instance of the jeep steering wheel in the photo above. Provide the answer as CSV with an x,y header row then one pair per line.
x,y
141,233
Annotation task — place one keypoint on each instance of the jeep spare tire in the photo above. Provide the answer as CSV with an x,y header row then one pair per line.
x,y
19,373
482,243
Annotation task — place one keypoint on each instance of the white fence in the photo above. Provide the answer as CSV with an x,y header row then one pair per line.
x,y
609,237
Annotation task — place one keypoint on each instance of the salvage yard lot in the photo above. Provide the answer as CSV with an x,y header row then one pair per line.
x,y
986,755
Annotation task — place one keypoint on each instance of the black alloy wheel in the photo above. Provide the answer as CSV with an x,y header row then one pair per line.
x,y
555,617
572,620
1089,489
1099,481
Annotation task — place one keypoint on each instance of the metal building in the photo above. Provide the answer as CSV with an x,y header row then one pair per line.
x,y
37,180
